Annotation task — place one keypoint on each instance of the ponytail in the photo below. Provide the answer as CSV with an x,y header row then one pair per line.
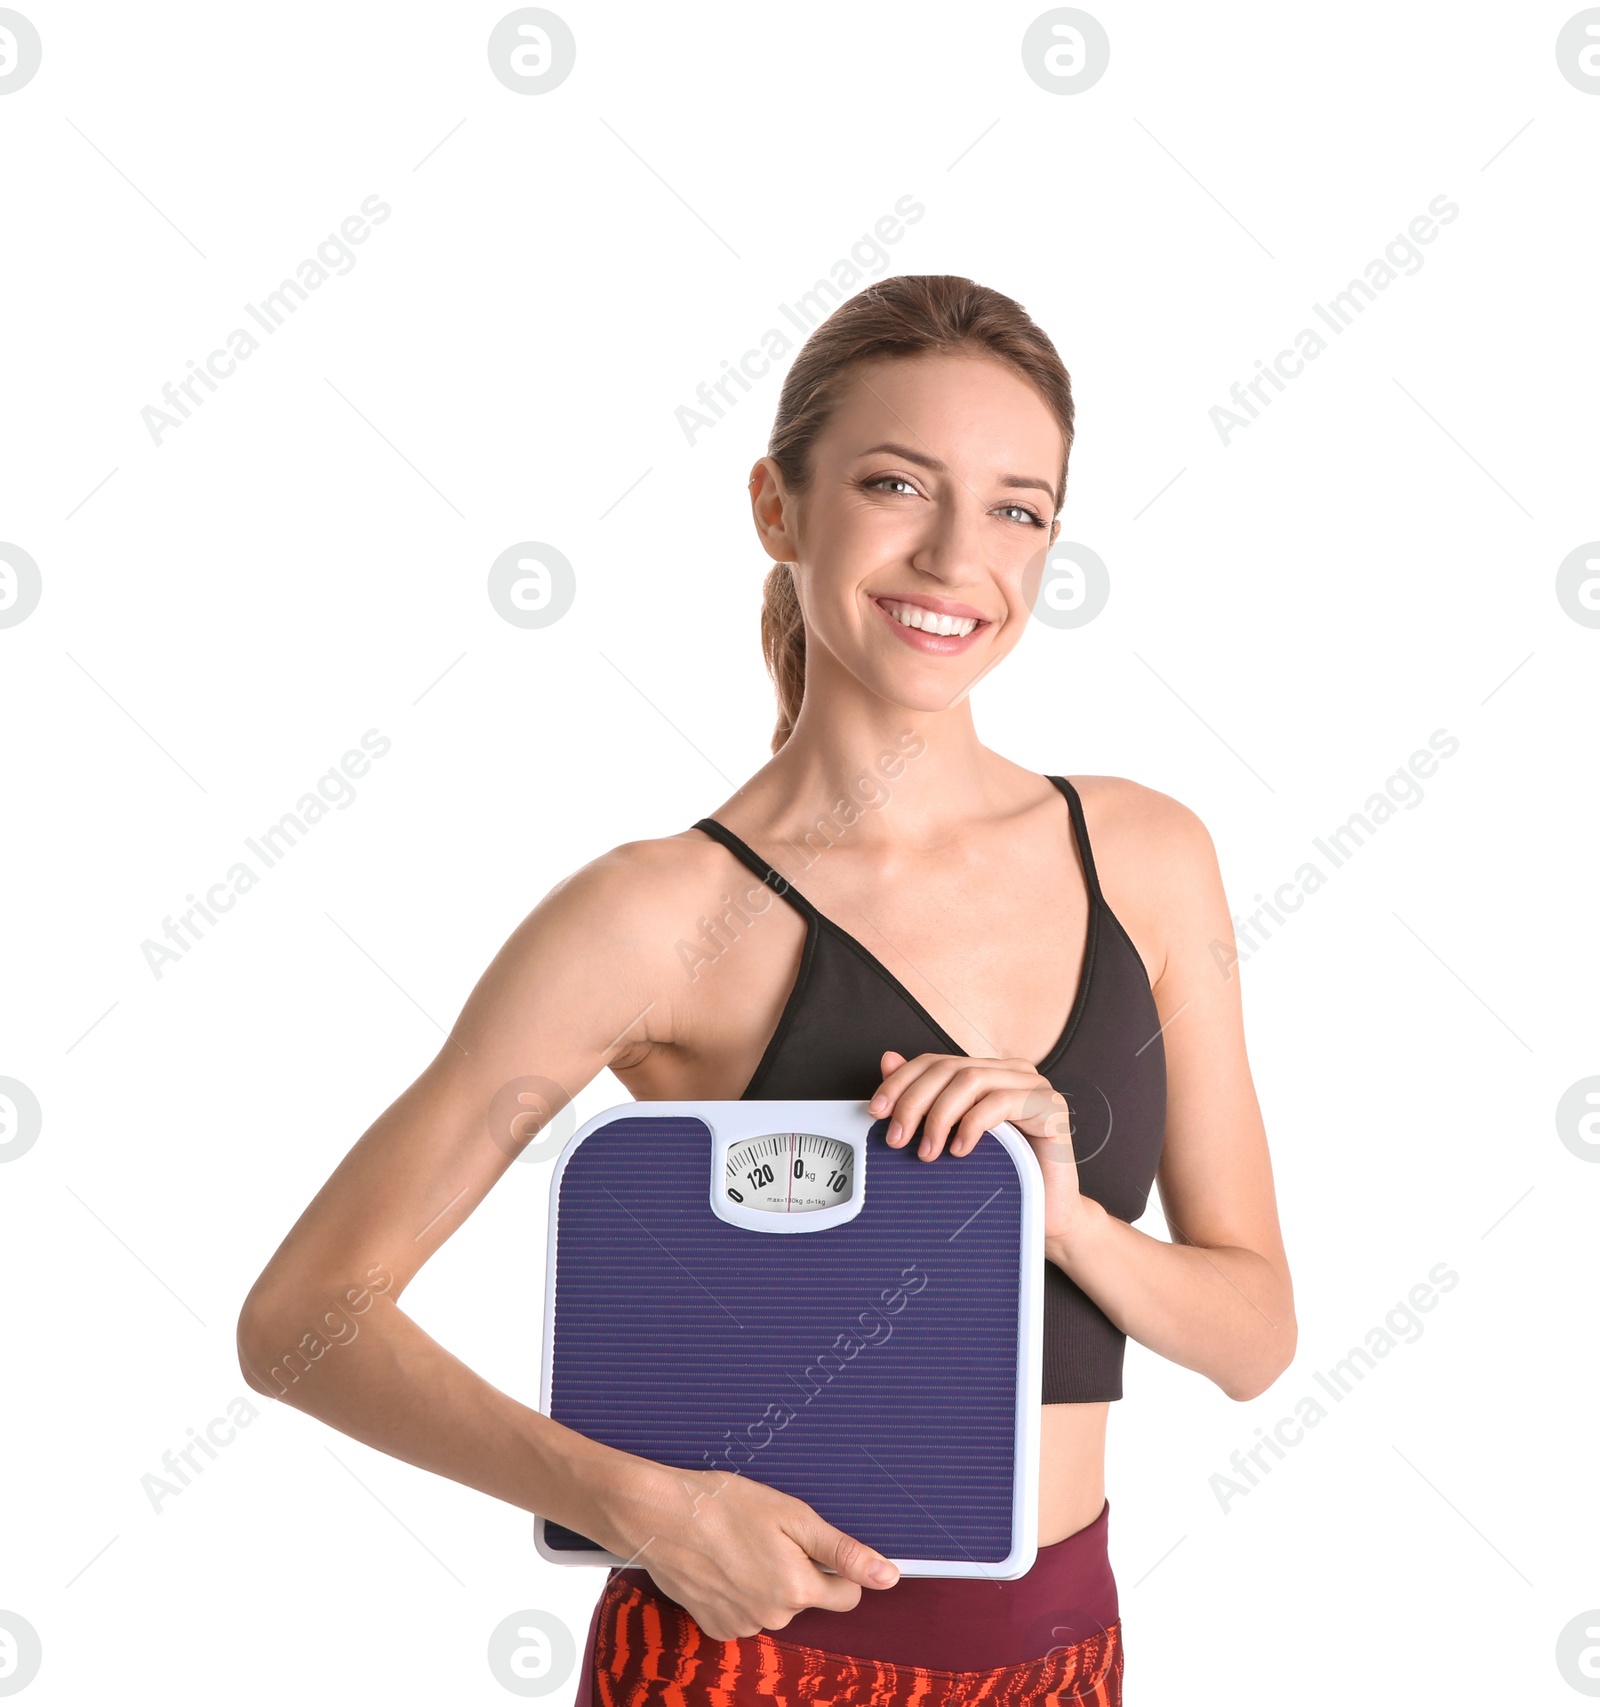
x,y
783,645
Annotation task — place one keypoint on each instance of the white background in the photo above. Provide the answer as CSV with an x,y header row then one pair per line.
x,y
305,559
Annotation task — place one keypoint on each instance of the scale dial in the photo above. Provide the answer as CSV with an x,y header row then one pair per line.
x,y
789,1172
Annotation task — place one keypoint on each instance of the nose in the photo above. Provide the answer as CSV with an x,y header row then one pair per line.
x,y
953,549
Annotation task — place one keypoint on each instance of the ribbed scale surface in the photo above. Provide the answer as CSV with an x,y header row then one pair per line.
x,y
695,1343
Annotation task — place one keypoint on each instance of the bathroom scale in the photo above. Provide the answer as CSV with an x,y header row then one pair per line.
x,y
767,1288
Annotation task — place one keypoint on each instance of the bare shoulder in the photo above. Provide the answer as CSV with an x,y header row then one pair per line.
x,y
1156,862
1140,826
640,893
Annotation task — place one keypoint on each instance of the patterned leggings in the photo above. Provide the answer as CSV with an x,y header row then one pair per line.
x,y
649,1652
1050,1638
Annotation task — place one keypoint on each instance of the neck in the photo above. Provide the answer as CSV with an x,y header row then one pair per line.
x,y
861,764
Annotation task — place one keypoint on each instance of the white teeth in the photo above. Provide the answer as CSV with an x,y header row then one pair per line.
x,y
930,622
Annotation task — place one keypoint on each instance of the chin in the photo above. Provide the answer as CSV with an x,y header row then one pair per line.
x,y
922,697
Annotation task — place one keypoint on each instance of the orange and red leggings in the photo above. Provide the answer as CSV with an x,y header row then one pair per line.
x,y
1050,1638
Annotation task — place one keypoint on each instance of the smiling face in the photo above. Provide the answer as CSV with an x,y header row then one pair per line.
x,y
920,538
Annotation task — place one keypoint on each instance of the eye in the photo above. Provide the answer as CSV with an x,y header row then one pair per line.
x,y
1029,517
879,480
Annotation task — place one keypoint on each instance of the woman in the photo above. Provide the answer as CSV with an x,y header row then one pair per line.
x,y
889,911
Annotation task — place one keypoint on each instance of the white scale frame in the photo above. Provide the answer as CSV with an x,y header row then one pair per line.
x,y
732,1123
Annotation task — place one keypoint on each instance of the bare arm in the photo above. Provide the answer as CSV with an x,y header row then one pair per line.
x,y
323,1330
1219,1298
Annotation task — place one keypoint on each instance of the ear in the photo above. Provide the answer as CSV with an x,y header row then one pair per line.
x,y
772,509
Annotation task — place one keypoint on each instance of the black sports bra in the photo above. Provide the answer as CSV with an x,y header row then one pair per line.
x,y
846,1008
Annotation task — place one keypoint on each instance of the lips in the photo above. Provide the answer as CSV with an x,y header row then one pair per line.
x,y
936,626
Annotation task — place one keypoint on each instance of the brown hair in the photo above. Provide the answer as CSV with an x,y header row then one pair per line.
x,y
908,314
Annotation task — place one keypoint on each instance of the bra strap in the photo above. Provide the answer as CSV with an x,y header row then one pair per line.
x,y
742,851
1080,831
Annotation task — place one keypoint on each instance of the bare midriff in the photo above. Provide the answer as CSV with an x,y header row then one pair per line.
x,y
1072,1468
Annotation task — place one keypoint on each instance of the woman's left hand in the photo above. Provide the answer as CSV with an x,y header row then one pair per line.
x,y
957,1098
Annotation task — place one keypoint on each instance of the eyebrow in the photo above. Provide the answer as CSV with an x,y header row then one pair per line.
x,y
933,464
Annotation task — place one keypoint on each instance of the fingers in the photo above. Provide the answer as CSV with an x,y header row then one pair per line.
x,y
969,1105
951,1089
758,1557
1033,1106
899,1074
955,1099
853,1561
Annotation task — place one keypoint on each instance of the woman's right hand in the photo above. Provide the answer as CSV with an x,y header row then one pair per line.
x,y
739,1556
